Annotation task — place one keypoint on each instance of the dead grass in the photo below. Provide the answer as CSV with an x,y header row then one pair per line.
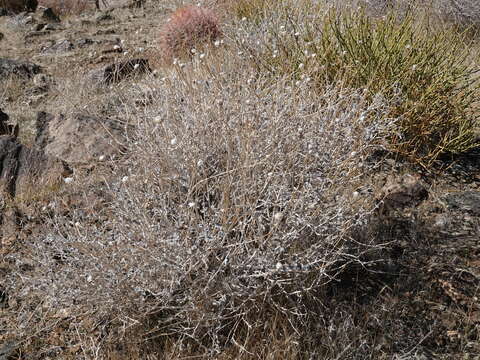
x,y
68,7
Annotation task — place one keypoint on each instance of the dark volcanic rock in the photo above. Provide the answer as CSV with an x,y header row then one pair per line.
x,y
5,127
77,139
15,67
466,201
24,171
3,121
84,42
49,15
401,192
17,6
118,71
104,17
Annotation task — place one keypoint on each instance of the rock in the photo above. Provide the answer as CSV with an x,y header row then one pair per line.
x,y
25,171
49,15
466,201
53,27
115,49
400,193
34,34
77,139
21,68
63,45
39,27
5,127
103,17
3,121
1,36
84,42
17,6
118,71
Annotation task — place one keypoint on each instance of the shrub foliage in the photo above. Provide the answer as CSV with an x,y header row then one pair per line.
x,y
423,70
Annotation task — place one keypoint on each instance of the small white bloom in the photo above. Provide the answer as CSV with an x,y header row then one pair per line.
x,y
124,179
313,55
297,34
298,83
136,66
157,119
301,65
191,204
279,266
173,142
202,55
244,19
355,194
193,51
89,278
116,47
282,27
240,53
141,49
199,163
247,102
68,180
125,53
217,43
101,158
278,217
77,224
414,67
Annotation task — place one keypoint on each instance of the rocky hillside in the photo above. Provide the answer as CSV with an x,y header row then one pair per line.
x,y
239,180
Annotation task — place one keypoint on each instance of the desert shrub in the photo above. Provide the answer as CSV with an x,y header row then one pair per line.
x,y
68,7
17,6
187,28
424,69
232,214
252,10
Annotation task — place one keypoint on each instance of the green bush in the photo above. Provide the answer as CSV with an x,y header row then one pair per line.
x,y
423,70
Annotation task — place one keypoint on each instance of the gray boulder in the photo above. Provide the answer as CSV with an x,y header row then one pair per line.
x,y
24,171
77,139
116,72
23,69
